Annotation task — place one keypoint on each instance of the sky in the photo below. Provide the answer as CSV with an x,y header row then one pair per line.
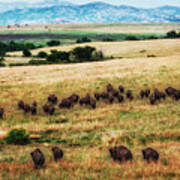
x,y
137,3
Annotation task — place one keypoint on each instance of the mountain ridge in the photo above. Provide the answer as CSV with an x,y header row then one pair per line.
x,y
93,12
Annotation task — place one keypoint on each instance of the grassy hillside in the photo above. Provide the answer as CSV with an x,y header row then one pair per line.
x,y
86,134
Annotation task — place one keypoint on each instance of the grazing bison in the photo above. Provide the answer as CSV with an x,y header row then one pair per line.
x,y
111,99
74,98
57,153
97,96
170,91
142,94
51,110
109,88
33,110
85,100
38,158
152,99
121,89
1,112
121,154
129,94
21,104
52,99
48,109
115,93
27,108
177,95
150,154
65,103
104,95
34,104
147,92
93,103
120,98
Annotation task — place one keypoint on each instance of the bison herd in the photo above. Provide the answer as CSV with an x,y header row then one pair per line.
x,y
118,153
109,95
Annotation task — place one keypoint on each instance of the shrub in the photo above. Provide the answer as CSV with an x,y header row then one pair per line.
x,y
42,54
17,137
57,56
1,62
131,38
53,43
38,62
26,53
83,40
82,53
107,39
17,64
172,34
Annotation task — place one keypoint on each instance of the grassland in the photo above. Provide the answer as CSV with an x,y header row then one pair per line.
x,y
86,134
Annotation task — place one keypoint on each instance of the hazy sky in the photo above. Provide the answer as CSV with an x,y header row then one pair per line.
x,y
139,3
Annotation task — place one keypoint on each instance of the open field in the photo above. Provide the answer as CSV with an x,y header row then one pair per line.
x,y
97,28
125,49
86,134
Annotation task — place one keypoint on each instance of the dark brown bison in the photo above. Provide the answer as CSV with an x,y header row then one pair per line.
x,y
38,158
109,88
33,110
65,103
48,109
21,104
57,153
111,99
115,93
170,91
121,154
97,96
147,92
104,95
129,94
1,112
152,99
52,99
34,104
74,98
85,100
142,94
176,95
120,98
150,154
27,108
121,89
93,103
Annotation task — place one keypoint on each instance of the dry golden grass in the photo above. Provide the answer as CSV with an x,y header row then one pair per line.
x,y
86,134
126,49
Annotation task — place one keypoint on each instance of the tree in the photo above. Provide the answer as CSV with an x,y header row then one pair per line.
x,y
42,54
82,53
172,34
26,53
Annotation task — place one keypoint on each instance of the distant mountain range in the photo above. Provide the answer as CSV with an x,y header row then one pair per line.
x,y
54,11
